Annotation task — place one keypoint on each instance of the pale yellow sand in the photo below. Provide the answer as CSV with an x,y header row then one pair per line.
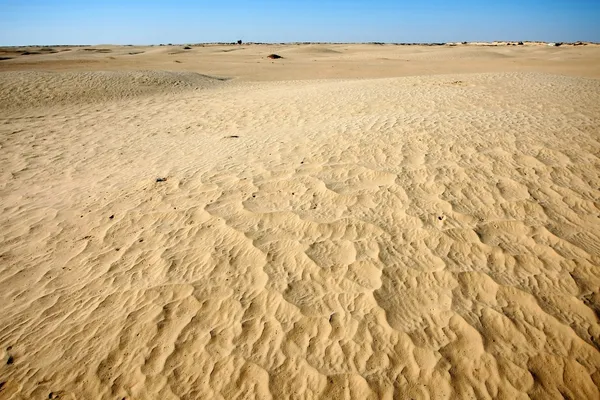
x,y
430,235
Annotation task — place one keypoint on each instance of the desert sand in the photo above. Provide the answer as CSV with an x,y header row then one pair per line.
x,y
349,221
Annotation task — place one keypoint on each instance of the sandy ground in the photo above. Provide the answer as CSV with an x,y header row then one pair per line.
x,y
350,221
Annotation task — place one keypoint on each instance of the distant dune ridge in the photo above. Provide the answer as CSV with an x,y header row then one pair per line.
x,y
352,221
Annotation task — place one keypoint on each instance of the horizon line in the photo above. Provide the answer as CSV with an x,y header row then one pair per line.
x,y
310,42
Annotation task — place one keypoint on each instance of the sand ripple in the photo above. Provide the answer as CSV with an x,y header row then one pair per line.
x,y
396,238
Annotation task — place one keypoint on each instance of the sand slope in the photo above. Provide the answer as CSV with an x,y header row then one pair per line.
x,y
42,89
425,237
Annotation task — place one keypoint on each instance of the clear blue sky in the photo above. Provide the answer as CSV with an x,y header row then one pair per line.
x,y
182,21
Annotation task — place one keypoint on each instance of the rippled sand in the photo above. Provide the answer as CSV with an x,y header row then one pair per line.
x,y
409,231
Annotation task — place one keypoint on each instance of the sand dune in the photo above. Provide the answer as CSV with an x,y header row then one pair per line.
x,y
41,89
313,49
413,237
338,61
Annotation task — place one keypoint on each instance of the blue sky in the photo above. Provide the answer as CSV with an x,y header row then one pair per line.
x,y
183,21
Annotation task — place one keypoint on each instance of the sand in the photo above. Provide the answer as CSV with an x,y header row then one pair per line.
x,y
350,221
